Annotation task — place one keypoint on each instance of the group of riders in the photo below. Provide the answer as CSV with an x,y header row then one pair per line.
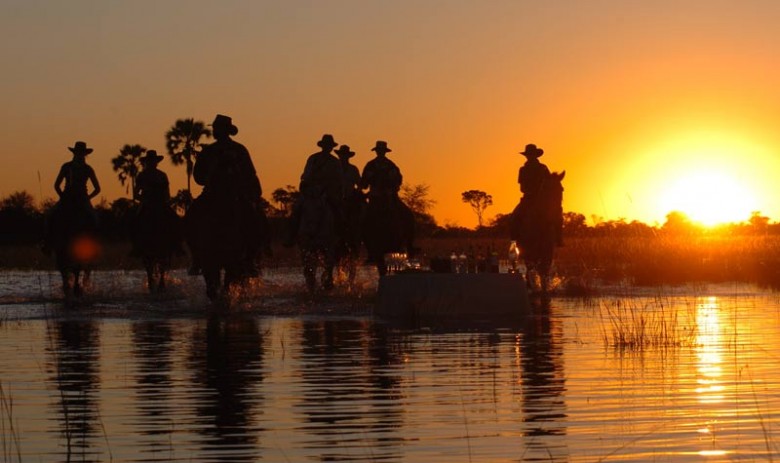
x,y
232,198
232,193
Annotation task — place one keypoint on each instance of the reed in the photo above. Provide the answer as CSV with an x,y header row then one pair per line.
x,y
636,324
584,264
11,444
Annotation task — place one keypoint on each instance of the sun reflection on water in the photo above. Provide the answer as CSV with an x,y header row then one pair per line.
x,y
710,388
708,351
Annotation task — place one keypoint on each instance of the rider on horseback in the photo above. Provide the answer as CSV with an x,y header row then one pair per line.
x,y
228,176
353,202
380,175
153,191
74,200
383,179
322,176
532,178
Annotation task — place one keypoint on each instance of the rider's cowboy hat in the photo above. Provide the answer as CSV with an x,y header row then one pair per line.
x,y
344,151
80,147
381,146
225,122
531,151
151,156
327,141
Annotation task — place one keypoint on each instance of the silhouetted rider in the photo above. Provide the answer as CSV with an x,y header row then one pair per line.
x,y
532,178
74,197
321,177
380,175
226,171
152,190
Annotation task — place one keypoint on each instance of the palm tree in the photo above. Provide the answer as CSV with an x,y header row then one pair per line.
x,y
183,143
127,164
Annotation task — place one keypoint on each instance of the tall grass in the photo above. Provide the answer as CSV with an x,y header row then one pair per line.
x,y
585,262
10,442
636,324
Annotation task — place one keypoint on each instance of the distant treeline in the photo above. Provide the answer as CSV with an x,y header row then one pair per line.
x,y
22,221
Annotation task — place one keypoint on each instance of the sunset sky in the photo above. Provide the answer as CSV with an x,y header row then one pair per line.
x,y
649,106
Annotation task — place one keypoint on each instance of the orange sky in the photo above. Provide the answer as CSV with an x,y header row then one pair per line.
x,y
648,106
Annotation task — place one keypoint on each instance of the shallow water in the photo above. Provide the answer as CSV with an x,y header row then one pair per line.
x,y
661,374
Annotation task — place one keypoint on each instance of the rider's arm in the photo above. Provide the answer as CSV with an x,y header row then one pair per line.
x,y
58,182
95,183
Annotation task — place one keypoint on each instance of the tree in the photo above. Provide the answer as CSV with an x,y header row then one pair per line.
x,y
574,224
21,201
127,164
479,201
183,143
416,198
20,221
285,198
678,222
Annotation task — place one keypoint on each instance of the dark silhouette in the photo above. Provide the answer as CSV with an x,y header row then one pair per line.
x,y
538,218
388,225
543,386
72,225
223,224
317,217
353,209
226,363
342,392
74,359
157,228
154,352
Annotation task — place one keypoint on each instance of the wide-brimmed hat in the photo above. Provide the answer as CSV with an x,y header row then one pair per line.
x,y
225,122
531,151
327,141
151,156
80,147
381,146
344,151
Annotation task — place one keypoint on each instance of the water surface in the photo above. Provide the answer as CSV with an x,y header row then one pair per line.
x,y
662,374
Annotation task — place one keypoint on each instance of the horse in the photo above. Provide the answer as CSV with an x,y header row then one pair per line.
x,y
217,231
318,239
348,248
536,226
388,227
157,238
74,240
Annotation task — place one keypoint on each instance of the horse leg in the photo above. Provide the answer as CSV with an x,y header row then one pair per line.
x,y
380,265
327,270
309,261
66,287
351,261
77,290
149,266
212,278
162,269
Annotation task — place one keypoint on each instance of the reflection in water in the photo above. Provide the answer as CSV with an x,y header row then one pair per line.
x,y
226,366
710,387
75,356
708,352
351,396
543,387
152,344
317,387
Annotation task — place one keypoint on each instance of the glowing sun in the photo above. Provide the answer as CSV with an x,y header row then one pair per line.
x,y
708,197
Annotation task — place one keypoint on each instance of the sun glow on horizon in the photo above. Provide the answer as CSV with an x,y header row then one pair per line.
x,y
709,197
